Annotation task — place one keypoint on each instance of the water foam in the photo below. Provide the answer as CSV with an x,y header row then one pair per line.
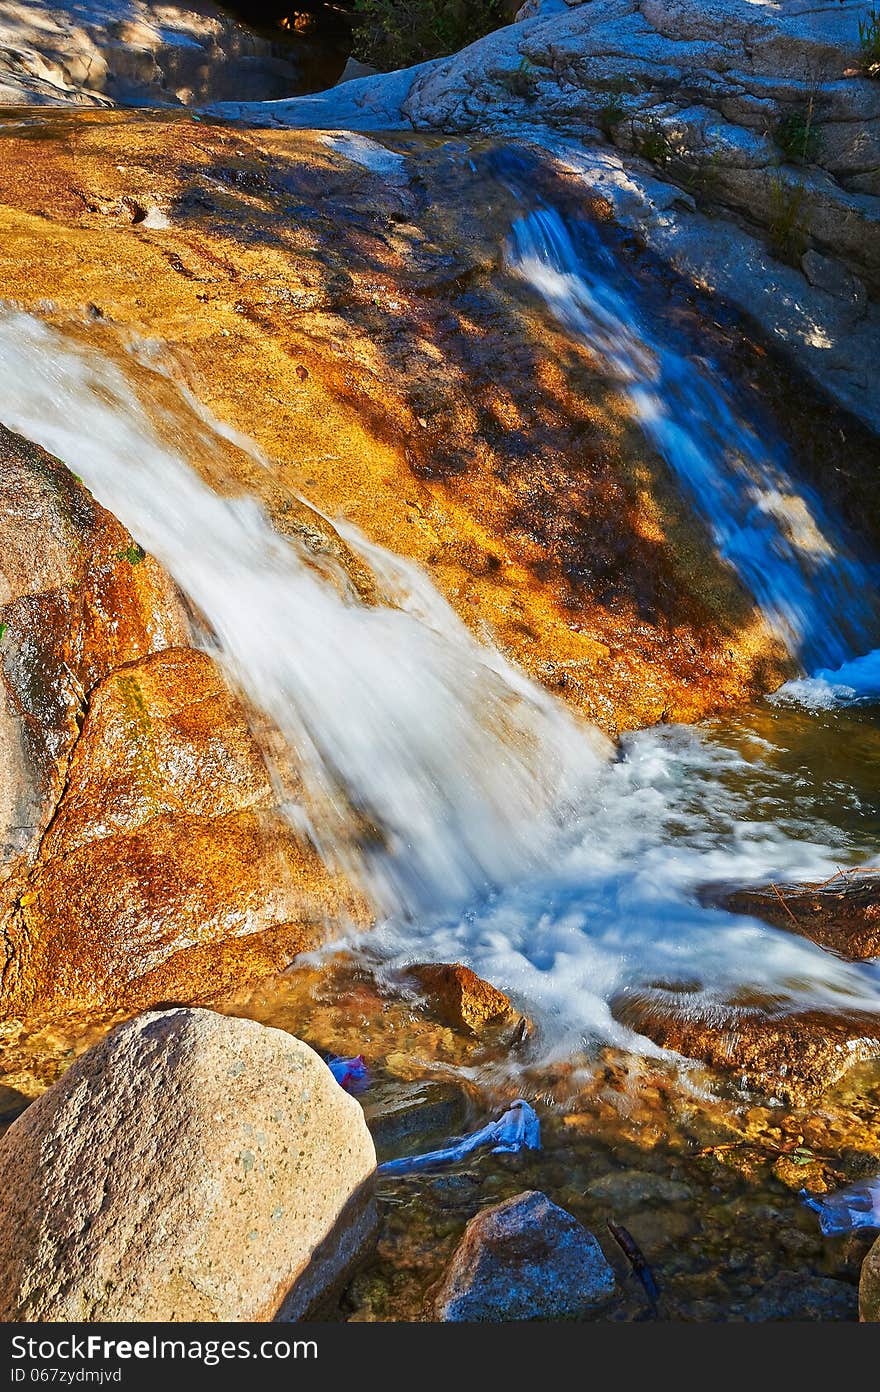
x,y
507,835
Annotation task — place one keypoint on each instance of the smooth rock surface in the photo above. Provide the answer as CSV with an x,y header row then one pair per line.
x,y
142,834
869,1286
134,53
78,599
524,1259
468,434
695,95
190,1167
167,847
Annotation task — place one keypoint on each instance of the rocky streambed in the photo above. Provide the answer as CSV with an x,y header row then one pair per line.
x,y
403,542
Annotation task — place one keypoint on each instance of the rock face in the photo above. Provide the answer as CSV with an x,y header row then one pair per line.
x,y
869,1286
191,1167
77,599
144,834
525,1259
469,434
762,110
793,1057
134,53
843,914
705,83
464,1000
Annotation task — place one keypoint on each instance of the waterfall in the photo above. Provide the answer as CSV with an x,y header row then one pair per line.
x,y
817,595
488,823
433,768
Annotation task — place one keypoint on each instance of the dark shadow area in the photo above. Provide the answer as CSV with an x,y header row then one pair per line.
x,y
314,33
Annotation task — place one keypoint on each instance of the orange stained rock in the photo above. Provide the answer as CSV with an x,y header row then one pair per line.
x,y
362,333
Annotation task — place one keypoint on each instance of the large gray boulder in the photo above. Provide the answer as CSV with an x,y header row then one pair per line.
x,y
190,1167
524,1259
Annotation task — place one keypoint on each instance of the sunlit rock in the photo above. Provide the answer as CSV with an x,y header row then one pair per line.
x,y
465,1001
792,1056
190,1167
843,914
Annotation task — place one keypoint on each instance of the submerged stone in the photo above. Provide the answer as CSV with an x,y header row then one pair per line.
x,y
524,1259
623,1190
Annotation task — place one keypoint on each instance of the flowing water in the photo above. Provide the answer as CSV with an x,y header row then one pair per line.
x,y
774,532
490,825
503,831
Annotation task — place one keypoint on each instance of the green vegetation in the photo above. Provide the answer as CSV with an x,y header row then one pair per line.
x,y
698,173
134,554
652,142
396,33
522,81
3,628
611,114
869,42
797,136
789,233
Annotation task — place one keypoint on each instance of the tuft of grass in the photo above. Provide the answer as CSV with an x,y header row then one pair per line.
x,y
3,630
797,136
611,114
134,554
699,173
521,81
787,226
869,42
652,142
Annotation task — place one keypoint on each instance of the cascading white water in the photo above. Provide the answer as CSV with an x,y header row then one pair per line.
x,y
819,597
509,836
395,715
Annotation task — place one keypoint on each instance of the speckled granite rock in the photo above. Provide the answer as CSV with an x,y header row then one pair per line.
x,y
190,1167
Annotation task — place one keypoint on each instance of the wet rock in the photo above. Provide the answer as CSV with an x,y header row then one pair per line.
x,y
463,1000
585,565
843,914
166,850
190,1167
869,1286
696,93
624,1190
796,1297
793,1057
799,1172
524,1259
656,1230
78,598
410,1116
